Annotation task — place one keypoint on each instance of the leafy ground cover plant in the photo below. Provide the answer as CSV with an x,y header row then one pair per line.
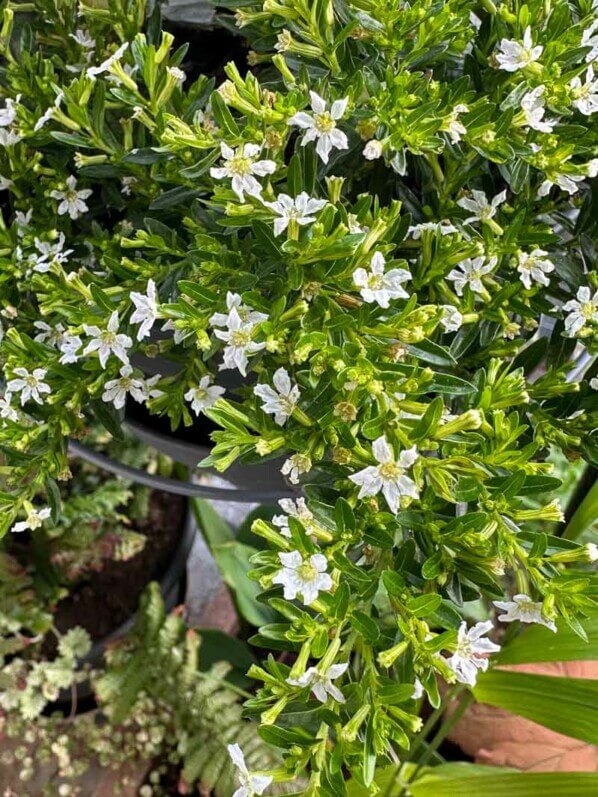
x,y
388,233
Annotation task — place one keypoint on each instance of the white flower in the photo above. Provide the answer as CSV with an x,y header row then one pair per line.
x,y
71,200
513,55
204,396
379,287
566,182
589,39
523,608
533,267
53,336
5,184
116,390
592,168
451,318
582,311
8,114
585,96
320,683
306,577
146,309
49,254
6,411
470,272
83,39
108,341
594,383
471,652
127,182
9,138
246,313
453,126
238,337
69,347
240,165
282,401
296,509
418,690
250,784
29,384
321,125
49,112
592,551
389,475
23,221
373,150
480,207
105,66
299,210
178,334
443,227
295,466
176,73
35,519
532,105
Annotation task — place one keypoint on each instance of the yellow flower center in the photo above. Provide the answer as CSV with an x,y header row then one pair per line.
x,y
240,337
324,123
240,165
307,572
389,471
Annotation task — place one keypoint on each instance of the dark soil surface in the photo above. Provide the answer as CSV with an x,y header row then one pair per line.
x,y
107,599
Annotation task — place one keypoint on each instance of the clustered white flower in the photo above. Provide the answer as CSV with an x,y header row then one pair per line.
x,y
127,384
470,273
250,783
320,682
108,341
532,106
533,267
479,207
29,384
471,653
296,509
582,311
303,576
146,309
513,55
282,401
240,165
321,125
524,609
388,476
71,200
378,286
204,395
34,520
291,211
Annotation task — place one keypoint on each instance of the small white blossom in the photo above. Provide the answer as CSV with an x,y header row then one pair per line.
x,y
146,309
8,138
239,339
320,682
240,165
299,210
108,341
83,39
106,65
8,114
532,105
453,125
373,150
204,396
471,653
585,95
49,254
282,401
250,784
566,182
321,125
592,551
388,475
533,267
296,509
418,690
379,287
69,347
470,272
594,383
178,334
523,608
589,38
6,410
306,577
443,227
295,466
116,390
451,318
246,313
479,206
582,310
53,336
71,200
127,182
176,73
23,221
49,112
35,520
514,55
30,384
5,183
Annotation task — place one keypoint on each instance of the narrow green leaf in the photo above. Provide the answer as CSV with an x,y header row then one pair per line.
x,y
538,643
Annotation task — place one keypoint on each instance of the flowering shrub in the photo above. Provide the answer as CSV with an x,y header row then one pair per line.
x,y
389,237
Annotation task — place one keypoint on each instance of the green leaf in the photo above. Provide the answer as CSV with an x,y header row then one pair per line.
x,y
214,528
175,196
233,560
540,644
585,516
431,353
565,705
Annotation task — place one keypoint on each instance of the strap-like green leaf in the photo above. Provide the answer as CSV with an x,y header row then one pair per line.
x,y
566,705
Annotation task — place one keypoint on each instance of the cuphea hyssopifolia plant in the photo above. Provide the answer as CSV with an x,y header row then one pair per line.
x,y
389,239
